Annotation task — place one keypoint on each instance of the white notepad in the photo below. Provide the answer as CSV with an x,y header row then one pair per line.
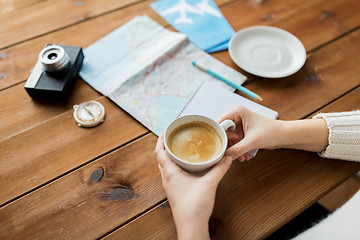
x,y
213,101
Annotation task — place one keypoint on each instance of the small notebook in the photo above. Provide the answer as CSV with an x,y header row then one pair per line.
x,y
213,101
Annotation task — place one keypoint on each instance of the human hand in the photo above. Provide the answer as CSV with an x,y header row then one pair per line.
x,y
191,197
252,131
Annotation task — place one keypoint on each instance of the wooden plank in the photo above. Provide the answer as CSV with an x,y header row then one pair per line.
x,y
315,24
20,112
341,194
325,77
57,145
17,61
143,227
249,185
323,21
349,102
12,5
90,201
46,16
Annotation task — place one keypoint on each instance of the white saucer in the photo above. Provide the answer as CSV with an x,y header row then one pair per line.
x,y
267,51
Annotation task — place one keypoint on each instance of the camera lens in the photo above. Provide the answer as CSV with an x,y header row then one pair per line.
x,y
54,58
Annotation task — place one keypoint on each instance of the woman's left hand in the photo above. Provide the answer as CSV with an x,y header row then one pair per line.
x,y
191,197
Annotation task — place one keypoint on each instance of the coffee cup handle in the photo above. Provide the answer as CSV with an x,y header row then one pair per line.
x,y
228,124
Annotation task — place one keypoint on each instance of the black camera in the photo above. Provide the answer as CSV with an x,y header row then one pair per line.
x,y
55,72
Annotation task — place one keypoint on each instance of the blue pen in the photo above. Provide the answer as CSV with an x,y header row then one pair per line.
x,y
238,87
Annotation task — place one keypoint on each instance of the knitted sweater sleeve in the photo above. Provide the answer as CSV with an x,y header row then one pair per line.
x,y
344,143
344,135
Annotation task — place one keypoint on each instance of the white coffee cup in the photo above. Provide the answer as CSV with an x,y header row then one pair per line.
x,y
220,128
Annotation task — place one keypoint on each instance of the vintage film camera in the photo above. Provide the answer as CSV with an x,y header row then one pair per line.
x,y
55,72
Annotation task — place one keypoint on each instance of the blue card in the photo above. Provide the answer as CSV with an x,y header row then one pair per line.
x,y
201,20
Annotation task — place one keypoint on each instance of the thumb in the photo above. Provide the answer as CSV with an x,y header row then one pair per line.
x,y
239,149
217,172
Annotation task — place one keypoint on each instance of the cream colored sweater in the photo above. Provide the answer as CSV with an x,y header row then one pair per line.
x,y
344,143
344,135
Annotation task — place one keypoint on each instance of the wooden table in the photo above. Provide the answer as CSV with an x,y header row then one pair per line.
x,y
60,181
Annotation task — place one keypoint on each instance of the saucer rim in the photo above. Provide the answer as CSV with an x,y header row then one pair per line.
x,y
265,30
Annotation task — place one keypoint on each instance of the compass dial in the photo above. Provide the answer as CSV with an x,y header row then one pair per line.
x,y
89,114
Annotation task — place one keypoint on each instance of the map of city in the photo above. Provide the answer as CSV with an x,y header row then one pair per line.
x,y
147,71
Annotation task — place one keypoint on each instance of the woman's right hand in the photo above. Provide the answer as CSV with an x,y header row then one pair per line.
x,y
253,131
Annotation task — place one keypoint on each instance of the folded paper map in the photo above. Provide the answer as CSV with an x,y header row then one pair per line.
x,y
147,71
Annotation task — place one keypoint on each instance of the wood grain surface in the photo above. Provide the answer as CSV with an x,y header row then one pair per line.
x,y
12,5
57,146
99,196
60,181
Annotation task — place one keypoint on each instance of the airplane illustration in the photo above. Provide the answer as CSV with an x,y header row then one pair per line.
x,y
182,7
205,6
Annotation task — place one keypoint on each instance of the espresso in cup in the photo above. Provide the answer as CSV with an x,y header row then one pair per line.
x,y
195,142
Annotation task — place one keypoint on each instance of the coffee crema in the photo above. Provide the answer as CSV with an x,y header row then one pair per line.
x,y
195,142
